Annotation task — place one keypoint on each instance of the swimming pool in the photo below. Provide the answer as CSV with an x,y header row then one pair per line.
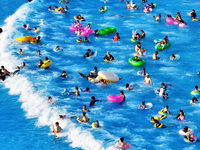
x,y
33,85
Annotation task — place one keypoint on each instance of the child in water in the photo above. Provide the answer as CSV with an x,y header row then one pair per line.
x,y
116,37
142,106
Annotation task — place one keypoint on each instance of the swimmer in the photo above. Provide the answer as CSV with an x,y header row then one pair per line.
x,y
189,138
79,40
85,109
155,57
165,96
137,59
38,53
62,117
196,89
88,53
122,95
92,54
143,34
89,27
20,52
4,71
50,9
194,99
194,15
148,80
152,5
77,24
62,10
34,29
162,90
86,90
25,27
55,8
158,17
50,100
165,110
64,75
83,118
103,82
96,32
128,5
186,130
94,73
97,124
92,102
23,65
109,57
40,63
78,32
138,49
58,48
77,93
66,8
101,9
157,124
56,128
178,17
121,143
1,30
172,57
80,17
137,36
86,39
144,73
181,115
142,106
128,86
116,37
38,40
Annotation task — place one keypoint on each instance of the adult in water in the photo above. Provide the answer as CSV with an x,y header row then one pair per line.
x,y
157,124
108,57
128,5
178,17
58,48
87,54
1,30
101,9
148,80
83,118
25,27
97,124
129,87
158,17
194,99
144,73
85,109
137,59
40,63
20,52
142,34
142,106
165,110
181,115
62,117
89,26
56,128
64,75
172,57
38,53
138,49
162,90
194,15
137,36
121,143
196,89
87,89
155,57
116,37
4,72
38,40
122,95
93,100
102,82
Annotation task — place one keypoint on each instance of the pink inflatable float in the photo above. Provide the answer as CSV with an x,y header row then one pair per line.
x,y
150,10
115,98
85,31
172,20
74,28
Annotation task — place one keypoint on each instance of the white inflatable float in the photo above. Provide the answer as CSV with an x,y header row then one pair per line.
x,y
108,76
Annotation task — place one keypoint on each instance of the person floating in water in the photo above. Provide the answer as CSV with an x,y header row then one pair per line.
x,y
148,80
38,40
64,75
155,57
137,59
38,53
58,48
92,102
20,52
62,117
196,89
101,9
122,95
86,90
138,49
144,73
142,34
109,57
194,15
194,99
142,106
178,17
116,37
172,57
181,115
87,54
165,110
158,17
97,124
129,86
56,129
121,142
85,109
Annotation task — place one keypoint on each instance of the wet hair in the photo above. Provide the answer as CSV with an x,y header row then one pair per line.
x,y
57,46
87,88
162,84
56,7
46,58
178,13
35,28
61,116
196,87
1,30
39,37
159,15
122,92
20,49
64,71
142,31
92,97
92,53
138,43
76,87
57,123
50,7
49,97
194,98
143,68
156,52
143,103
117,33
127,85
85,37
84,106
122,139
95,67
24,63
102,80
24,26
173,55
167,106
89,50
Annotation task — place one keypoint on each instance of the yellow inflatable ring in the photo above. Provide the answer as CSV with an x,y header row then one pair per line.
x,y
94,125
25,39
158,126
46,64
156,118
79,120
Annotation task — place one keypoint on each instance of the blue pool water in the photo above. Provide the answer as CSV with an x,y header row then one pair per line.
x,y
24,106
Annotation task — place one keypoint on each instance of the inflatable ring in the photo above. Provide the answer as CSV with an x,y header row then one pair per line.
x,y
107,30
59,9
78,41
160,47
181,132
46,64
134,40
126,145
158,126
37,30
160,112
105,9
136,63
156,118
87,120
148,105
193,137
22,53
150,10
115,98
163,117
94,125
76,18
25,39
108,76
109,60
195,93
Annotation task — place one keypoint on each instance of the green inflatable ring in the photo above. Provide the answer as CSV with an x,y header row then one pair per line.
x,y
105,9
160,47
134,40
107,30
136,63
